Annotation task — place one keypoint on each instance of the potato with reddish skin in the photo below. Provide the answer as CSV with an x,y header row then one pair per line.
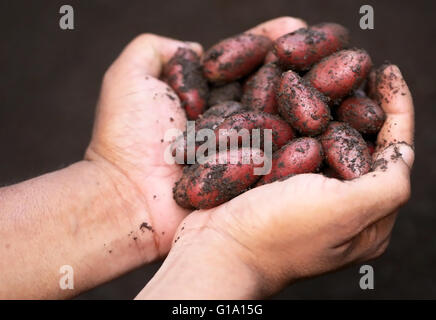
x,y
260,89
300,49
210,184
183,73
282,132
345,150
216,114
228,92
301,105
235,57
208,120
362,113
302,155
338,74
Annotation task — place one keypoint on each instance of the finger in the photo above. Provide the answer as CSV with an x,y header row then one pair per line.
x,y
379,193
390,90
375,245
278,27
147,53
371,242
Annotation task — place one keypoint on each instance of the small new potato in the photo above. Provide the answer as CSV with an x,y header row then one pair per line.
x,y
215,115
300,49
238,127
346,151
208,185
260,89
183,74
338,74
302,155
235,57
208,120
362,113
301,105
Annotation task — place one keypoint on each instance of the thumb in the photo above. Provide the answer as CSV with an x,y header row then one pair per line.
x,y
147,53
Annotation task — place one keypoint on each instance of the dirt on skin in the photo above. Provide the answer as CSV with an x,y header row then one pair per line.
x,y
386,84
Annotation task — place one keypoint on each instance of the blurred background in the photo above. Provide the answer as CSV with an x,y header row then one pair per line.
x,y
50,80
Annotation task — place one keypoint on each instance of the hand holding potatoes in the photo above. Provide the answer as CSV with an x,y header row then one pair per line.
x,y
298,84
308,224
292,223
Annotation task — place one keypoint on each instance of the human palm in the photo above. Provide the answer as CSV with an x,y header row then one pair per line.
x,y
134,113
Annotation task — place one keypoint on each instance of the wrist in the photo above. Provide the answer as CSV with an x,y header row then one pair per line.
x,y
204,264
129,214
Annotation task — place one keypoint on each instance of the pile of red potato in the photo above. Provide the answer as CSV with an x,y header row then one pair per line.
x,y
308,87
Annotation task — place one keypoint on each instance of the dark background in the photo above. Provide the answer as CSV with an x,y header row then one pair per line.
x,y
50,79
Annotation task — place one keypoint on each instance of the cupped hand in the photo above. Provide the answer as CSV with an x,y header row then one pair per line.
x,y
310,224
134,113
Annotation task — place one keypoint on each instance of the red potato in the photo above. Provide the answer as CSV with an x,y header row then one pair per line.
x,y
183,74
281,130
210,184
208,120
300,49
301,105
260,89
235,57
216,114
302,155
362,113
345,150
229,92
338,74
